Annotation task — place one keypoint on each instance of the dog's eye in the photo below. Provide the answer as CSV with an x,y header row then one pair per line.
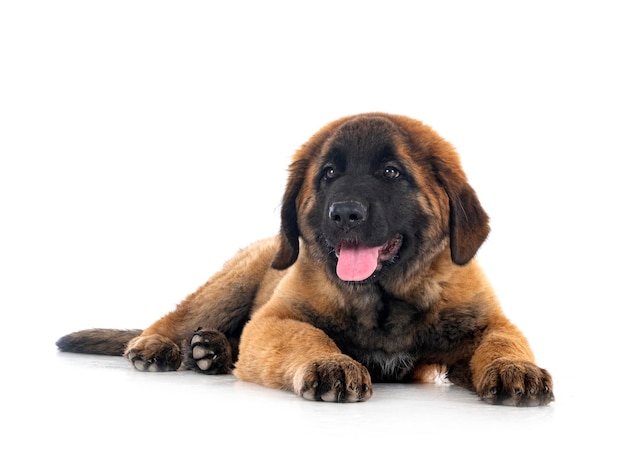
x,y
391,172
330,173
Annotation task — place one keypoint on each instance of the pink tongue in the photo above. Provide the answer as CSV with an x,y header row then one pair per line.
x,y
356,263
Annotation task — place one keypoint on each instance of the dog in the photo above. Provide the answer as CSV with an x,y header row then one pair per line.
x,y
371,278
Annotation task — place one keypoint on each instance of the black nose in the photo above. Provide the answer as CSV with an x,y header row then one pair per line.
x,y
347,214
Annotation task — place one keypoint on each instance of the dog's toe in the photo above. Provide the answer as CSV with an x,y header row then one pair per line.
x,y
208,352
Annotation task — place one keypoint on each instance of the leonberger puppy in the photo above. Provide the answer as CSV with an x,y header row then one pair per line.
x,y
371,278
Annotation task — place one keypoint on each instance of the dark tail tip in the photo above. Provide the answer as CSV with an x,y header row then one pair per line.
x,y
97,341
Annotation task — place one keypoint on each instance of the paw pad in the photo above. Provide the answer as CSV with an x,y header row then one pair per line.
x,y
208,352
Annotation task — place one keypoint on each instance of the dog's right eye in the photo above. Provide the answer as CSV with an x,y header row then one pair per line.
x,y
329,173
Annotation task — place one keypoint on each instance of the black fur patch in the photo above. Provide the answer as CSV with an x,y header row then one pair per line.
x,y
390,336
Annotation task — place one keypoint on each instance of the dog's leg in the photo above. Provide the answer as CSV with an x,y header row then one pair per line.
x,y
153,353
202,333
504,370
293,355
209,352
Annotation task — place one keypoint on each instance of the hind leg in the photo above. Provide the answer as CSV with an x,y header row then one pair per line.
x,y
224,303
153,353
205,351
208,352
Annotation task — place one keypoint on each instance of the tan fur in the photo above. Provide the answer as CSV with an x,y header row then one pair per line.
x,y
282,286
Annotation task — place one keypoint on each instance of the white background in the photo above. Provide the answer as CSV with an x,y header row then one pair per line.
x,y
143,142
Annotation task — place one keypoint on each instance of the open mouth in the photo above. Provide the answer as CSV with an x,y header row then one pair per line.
x,y
357,262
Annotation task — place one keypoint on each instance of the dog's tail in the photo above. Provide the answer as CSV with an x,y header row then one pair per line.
x,y
97,341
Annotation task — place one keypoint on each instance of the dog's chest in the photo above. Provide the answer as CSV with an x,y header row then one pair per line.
x,y
381,333
389,335
383,323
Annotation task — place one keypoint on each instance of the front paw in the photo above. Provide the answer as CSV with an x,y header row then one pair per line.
x,y
515,384
153,353
339,379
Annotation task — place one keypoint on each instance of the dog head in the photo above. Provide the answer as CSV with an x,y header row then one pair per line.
x,y
372,193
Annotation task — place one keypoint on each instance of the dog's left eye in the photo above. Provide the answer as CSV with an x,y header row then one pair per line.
x,y
391,172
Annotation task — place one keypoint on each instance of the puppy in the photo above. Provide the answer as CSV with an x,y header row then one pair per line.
x,y
371,278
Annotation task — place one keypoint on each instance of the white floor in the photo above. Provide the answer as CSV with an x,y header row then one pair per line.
x,y
71,403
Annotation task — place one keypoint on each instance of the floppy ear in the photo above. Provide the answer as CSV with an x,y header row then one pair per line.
x,y
469,223
288,246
